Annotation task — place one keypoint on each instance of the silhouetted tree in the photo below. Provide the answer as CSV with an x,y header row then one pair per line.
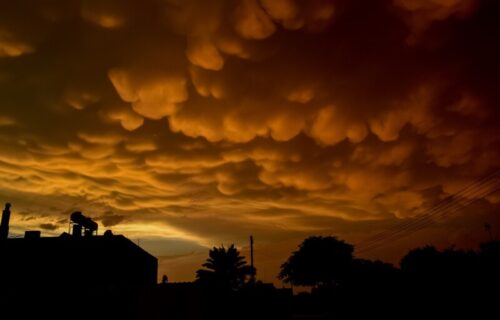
x,y
448,282
372,275
489,259
320,261
451,267
490,254
164,279
224,269
421,260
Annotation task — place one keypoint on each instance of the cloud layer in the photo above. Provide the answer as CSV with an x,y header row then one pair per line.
x,y
201,122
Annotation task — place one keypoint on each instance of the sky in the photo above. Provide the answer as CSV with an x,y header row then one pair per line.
x,y
188,124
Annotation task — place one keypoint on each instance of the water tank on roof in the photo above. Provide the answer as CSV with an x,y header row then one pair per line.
x,y
82,222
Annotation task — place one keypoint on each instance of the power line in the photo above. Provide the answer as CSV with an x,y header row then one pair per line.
x,y
422,224
445,205
465,192
473,192
427,219
419,227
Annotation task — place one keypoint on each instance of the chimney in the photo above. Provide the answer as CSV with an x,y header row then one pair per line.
x,y
4,227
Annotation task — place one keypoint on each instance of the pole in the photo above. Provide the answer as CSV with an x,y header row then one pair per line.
x,y
4,227
251,258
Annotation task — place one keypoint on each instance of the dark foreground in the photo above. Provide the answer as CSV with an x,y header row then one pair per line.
x,y
429,284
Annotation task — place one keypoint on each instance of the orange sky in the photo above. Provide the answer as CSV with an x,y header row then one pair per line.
x,y
188,124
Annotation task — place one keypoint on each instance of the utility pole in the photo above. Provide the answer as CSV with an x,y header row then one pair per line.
x,y
251,259
4,227
487,228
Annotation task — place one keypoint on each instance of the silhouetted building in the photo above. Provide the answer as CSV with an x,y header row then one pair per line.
x,y
86,274
94,263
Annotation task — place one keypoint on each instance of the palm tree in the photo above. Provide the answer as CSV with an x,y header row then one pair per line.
x,y
224,269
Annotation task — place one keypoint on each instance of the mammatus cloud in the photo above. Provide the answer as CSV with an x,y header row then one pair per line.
x,y
188,124
420,15
12,47
109,219
151,96
109,14
48,226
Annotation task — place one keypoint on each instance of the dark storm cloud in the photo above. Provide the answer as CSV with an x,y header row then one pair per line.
x,y
209,120
48,226
109,219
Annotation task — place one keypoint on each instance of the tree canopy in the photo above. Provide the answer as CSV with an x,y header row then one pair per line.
x,y
319,261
